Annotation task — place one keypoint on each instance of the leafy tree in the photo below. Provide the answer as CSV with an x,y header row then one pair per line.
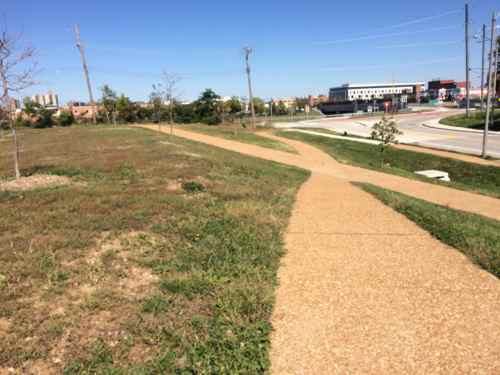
x,y
279,109
125,109
207,107
301,103
233,105
143,113
385,131
109,101
259,106
31,108
39,117
185,113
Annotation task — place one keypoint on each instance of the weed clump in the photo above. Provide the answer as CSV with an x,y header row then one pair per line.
x,y
193,187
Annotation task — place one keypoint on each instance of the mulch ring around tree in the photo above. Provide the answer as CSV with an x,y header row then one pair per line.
x,y
34,182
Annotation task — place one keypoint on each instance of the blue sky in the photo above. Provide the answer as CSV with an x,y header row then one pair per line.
x,y
300,48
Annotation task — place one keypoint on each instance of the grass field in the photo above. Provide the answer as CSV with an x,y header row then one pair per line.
x,y
159,258
239,134
475,121
476,236
466,176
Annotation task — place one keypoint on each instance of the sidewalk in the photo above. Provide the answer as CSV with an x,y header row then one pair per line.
x,y
363,290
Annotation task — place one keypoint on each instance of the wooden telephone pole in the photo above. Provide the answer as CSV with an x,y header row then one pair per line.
x,y
86,73
248,51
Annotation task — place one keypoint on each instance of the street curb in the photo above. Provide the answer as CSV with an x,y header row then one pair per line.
x,y
434,124
454,149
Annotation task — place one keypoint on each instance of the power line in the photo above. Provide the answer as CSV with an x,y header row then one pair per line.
x,y
424,19
426,62
370,37
444,43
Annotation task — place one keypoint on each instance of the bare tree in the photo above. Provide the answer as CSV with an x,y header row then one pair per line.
x,y
156,100
171,92
17,71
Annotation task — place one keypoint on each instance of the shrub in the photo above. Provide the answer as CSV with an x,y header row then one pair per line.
x,y
212,120
20,121
65,118
43,119
193,187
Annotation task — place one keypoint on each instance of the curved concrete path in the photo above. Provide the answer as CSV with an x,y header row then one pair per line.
x,y
363,290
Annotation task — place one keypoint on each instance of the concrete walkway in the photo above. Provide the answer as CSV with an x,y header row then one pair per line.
x,y
363,290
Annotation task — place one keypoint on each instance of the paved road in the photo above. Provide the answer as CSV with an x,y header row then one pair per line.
x,y
414,132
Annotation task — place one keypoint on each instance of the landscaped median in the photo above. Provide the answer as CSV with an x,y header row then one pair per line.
x,y
475,236
476,120
482,179
160,257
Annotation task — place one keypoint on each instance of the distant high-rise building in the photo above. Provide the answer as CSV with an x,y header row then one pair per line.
x,y
49,100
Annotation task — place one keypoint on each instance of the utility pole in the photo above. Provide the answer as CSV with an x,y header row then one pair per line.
x,y
467,69
271,111
495,76
490,86
483,42
86,73
248,51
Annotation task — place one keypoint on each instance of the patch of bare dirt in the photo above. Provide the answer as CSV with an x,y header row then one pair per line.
x,y
34,182
132,284
193,155
139,354
4,326
174,185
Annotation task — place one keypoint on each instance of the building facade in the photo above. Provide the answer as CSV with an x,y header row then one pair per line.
x,y
49,100
364,92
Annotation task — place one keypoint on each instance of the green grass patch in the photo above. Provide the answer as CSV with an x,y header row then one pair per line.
x,y
296,118
161,259
475,236
235,133
476,120
466,176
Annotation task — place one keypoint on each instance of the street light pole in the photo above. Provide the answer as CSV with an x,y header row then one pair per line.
x,y
467,69
484,153
483,42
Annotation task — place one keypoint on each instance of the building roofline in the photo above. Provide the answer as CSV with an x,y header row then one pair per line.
x,y
358,85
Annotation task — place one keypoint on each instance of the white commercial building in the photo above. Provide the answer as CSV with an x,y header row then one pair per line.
x,y
350,92
49,100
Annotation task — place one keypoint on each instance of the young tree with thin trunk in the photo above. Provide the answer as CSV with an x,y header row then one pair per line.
x,y
170,82
17,71
108,102
156,101
386,131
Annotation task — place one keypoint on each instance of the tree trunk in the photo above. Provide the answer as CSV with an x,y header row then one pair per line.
x,y
171,119
16,152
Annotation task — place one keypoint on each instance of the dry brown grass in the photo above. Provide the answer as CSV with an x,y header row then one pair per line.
x,y
152,251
